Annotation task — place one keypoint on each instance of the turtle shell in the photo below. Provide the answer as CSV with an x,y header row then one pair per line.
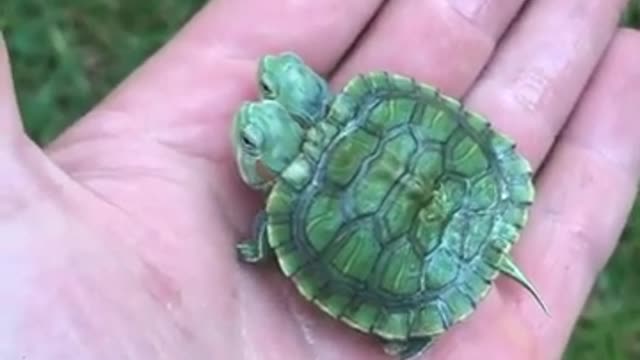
x,y
395,214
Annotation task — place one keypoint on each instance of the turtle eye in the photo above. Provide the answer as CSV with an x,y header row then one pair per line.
x,y
266,90
248,144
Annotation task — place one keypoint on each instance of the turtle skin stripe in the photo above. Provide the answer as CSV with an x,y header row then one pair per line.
x,y
394,216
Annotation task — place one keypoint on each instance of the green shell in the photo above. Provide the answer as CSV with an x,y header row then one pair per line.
x,y
399,210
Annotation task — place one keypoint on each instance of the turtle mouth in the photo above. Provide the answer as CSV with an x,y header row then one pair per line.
x,y
264,172
238,120
254,173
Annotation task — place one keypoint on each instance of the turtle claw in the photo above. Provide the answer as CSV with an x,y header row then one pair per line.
x,y
248,251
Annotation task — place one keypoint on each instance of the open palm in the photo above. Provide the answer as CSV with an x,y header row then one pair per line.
x,y
118,240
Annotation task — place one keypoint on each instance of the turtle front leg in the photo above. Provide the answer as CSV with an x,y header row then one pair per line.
x,y
408,349
256,250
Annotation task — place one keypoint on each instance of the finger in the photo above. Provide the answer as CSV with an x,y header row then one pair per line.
x,y
528,92
586,193
185,94
25,171
10,124
534,82
445,43
537,75
28,178
183,98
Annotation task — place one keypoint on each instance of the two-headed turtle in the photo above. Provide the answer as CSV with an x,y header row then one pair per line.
x,y
389,205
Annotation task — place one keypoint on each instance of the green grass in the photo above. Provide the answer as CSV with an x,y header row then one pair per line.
x,y
68,54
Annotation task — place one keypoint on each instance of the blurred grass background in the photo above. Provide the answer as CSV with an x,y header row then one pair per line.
x,y
67,54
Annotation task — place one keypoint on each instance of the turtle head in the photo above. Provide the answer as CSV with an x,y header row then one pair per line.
x,y
266,140
286,79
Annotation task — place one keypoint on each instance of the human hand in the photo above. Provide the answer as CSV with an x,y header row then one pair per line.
x,y
119,238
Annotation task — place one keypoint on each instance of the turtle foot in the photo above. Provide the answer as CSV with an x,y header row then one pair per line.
x,y
256,250
248,251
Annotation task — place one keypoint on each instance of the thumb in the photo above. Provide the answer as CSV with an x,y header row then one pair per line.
x,y
27,173
10,124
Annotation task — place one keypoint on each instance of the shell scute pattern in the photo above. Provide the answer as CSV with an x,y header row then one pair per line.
x,y
371,165
399,210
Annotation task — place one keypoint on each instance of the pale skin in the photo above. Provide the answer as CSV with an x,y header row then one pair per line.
x,y
119,238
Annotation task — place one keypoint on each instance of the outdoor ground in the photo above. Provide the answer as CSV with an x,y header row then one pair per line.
x,y
67,54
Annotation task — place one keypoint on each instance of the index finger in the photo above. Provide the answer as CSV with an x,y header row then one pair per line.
x,y
208,68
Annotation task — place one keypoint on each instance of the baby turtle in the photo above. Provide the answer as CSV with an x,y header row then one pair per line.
x,y
389,205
